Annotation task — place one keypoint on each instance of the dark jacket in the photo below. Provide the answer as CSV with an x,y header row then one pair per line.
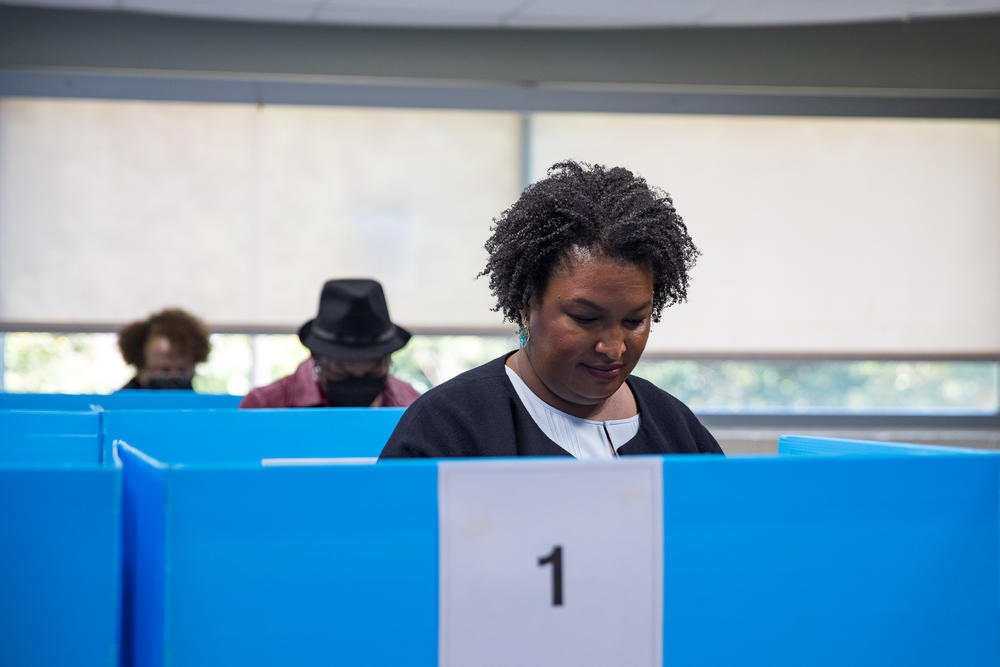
x,y
479,413
133,384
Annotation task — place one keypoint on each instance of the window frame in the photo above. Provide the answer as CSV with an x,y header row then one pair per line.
x,y
729,419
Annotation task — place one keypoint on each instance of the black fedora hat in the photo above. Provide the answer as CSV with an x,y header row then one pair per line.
x,y
353,322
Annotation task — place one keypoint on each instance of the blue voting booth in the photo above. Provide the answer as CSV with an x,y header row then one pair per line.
x,y
269,537
60,525
120,400
51,421
833,552
221,436
60,542
61,511
50,436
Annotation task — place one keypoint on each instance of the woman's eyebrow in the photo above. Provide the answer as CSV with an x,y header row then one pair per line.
x,y
587,303
590,304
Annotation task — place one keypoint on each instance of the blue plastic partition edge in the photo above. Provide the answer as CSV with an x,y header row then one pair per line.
x,y
144,558
812,445
232,435
128,399
50,437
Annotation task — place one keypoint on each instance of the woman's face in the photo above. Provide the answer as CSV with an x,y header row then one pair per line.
x,y
589,329
164,362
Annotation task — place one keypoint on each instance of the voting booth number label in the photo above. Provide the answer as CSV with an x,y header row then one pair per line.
x,y
550,563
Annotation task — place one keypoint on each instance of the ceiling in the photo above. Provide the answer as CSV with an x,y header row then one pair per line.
x,y
545,13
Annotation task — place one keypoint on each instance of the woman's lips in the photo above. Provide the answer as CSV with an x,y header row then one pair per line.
x,y
604,373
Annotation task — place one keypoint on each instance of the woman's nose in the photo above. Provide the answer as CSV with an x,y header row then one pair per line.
x,y
611,344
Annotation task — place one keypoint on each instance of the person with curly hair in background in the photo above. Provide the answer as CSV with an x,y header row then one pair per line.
x,y
582,263
164,349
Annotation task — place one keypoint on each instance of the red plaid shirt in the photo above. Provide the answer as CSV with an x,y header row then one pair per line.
x,y
300,390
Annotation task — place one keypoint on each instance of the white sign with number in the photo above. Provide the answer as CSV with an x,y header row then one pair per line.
x,y
551,563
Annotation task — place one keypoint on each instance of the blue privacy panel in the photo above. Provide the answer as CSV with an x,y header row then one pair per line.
x,y
788,560
130,400
848,560
800,444
49,437
192,436
60,565
143,559
304,565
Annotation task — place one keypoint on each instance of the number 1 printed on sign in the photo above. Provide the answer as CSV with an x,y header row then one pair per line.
x,y
555,557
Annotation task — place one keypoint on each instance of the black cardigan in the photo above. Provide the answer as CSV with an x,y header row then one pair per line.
x,y
479,413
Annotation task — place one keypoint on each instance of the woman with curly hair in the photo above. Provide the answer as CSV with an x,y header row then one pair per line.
x,y
582,263
164,348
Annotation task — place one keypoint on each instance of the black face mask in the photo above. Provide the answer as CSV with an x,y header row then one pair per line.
x,y
168,383
354,392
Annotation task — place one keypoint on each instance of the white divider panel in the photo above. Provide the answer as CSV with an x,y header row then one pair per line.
x,y
551,563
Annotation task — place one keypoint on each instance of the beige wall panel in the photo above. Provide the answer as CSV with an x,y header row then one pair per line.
x,y
109,210
819,235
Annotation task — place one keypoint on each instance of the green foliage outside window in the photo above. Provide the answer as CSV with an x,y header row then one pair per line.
x,y
829,386
90,363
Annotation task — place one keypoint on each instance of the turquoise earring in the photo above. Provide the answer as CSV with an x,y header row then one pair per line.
x,y
523,335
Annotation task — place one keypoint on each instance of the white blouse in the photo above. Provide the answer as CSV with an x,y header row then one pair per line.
x,y
582,438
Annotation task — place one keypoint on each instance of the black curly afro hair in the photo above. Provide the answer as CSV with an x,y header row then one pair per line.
x,y
187,334
609,211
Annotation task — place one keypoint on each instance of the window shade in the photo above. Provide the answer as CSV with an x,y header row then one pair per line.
x,y
845,236
849,236
110,210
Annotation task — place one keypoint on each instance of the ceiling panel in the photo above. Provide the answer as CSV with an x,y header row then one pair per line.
x,y
69,4
620,14
779,12
546,13
414,13
252,10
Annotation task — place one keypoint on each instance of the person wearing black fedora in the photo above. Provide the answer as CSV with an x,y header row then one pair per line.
x,y
350,341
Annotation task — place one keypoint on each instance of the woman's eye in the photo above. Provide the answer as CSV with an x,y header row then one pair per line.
x,y
634,323
583,320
